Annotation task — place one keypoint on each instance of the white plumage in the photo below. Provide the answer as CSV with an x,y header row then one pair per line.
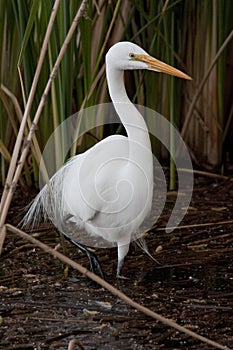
x,y
107,191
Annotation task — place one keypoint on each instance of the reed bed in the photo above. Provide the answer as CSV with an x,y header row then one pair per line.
x,y
187,34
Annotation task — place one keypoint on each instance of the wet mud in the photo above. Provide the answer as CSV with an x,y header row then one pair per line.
x,y
42,306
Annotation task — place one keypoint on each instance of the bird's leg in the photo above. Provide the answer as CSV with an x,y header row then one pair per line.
x,y
123,249
94,263
119,266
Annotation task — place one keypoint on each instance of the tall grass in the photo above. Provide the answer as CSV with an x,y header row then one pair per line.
x,y
209,25
186,34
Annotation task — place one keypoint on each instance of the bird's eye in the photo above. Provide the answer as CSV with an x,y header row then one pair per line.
x,y
132,55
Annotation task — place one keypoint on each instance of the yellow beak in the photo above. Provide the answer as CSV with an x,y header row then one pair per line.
x,y
160,66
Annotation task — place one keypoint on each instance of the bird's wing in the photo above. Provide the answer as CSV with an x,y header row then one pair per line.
x,y
89,178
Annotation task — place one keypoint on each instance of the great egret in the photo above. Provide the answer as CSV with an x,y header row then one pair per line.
x,y
107,190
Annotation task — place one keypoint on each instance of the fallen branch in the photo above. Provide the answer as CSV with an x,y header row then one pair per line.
x,y
112,289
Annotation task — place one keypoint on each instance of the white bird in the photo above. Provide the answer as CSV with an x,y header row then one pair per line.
x,y
107,190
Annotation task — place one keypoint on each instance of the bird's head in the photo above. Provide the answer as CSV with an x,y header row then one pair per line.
x,y
127,56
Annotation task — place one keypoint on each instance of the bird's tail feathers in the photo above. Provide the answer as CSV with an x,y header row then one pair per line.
x,y
34,211
47,204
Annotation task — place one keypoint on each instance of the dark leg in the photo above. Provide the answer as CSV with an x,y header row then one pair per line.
x,y
94,263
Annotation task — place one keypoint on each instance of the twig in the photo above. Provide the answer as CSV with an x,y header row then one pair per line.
x,y
205,173
205,240
226,222
112,289
74,342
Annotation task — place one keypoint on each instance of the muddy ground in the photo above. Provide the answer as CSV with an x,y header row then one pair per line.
x,y
40,308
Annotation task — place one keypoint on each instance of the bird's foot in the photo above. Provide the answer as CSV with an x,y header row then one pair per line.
x,y
94,263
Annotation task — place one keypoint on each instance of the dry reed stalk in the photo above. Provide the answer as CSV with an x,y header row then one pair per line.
x,y
23,124
201,85
14,172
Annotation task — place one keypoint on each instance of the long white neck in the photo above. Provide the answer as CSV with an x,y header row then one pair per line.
x,y
130,117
